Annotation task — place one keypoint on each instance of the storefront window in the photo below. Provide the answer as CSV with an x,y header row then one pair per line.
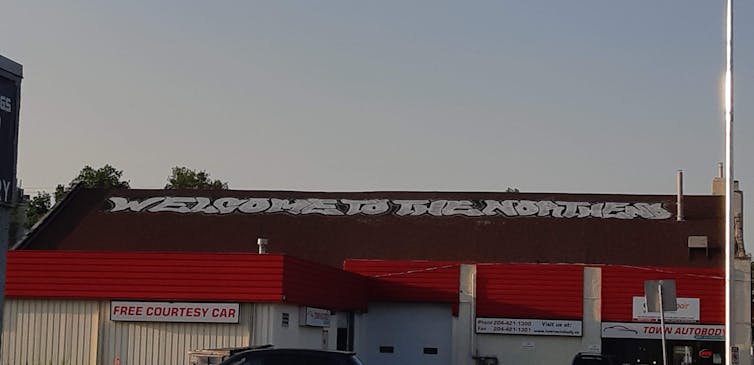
x,y
649,352
682,355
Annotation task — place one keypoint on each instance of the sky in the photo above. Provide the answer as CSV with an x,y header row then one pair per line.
x,y
586,96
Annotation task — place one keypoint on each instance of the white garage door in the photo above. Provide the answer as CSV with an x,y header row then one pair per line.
x,y
407,334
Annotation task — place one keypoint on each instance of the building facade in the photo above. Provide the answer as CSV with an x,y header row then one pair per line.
x,y
400,277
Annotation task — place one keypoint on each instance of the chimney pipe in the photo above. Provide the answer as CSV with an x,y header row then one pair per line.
x,y
262,243
679,198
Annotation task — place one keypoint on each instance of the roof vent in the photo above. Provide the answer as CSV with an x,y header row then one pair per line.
x,y
262,243
698,242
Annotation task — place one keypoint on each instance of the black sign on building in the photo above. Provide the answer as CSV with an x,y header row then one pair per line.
x,y
10,94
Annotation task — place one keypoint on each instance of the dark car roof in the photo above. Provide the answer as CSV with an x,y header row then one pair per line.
x,y
592,358
329,353
296,350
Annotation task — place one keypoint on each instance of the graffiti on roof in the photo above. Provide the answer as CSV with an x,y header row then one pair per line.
x,y
397,207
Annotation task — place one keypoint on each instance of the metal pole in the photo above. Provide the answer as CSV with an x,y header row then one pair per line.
x,y
728,176
662,325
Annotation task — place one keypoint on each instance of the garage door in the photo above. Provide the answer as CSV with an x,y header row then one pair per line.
x,y
407,334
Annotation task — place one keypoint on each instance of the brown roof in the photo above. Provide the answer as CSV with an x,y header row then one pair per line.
x,y
329,227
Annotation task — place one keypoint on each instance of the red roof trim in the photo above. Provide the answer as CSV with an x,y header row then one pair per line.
x,y
219,277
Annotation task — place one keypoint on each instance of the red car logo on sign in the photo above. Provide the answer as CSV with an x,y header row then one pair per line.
x,y
705,354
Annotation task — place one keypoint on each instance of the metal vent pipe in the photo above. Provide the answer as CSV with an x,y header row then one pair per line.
x,y
262,243
679,198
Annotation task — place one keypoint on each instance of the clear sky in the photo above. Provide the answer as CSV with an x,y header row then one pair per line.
x,y
546,96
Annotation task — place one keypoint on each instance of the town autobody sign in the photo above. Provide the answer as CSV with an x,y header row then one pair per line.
x,y
654,331
9,91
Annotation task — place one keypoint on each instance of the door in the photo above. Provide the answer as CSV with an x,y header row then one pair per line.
x,y
408,334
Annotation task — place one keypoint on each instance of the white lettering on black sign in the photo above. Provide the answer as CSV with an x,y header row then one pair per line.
x,y
5,190
400,207
5,104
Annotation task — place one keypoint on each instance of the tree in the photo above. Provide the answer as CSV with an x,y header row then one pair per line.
x,y
185,178
106,177
37,208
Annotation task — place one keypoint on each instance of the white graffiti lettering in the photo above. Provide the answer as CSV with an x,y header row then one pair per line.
x,y
322,206
368,207
464,207
280,205
122,204
411,207
504,207
254,206
204,205
572,208
400,207
174,204
228,205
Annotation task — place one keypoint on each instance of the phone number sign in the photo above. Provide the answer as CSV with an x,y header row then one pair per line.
x,y
530,327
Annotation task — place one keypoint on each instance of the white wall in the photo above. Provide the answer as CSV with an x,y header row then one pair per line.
x,y
80,332
511,349
136,343
269,328
61,332
741,310
464,336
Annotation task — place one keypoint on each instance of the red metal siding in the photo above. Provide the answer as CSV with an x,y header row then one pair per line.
x,y
621,283
145,276
312,284
409,281
542,291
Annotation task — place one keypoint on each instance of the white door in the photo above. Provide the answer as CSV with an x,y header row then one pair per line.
x,y
407,334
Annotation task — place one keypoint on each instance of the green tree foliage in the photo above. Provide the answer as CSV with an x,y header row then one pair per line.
x,y
106,177
38,206
185,178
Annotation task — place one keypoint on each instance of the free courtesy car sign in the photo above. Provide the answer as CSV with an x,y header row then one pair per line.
x,y
174,312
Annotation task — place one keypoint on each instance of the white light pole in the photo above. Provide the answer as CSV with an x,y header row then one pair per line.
x,y
729,249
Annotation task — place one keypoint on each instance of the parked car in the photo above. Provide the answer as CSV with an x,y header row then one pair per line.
x,y
273,356
588,358
218,355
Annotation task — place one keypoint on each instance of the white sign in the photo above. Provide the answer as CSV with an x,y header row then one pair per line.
x,y
540,327
654,331
595,347
174,312
418,207
688,311
314,317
